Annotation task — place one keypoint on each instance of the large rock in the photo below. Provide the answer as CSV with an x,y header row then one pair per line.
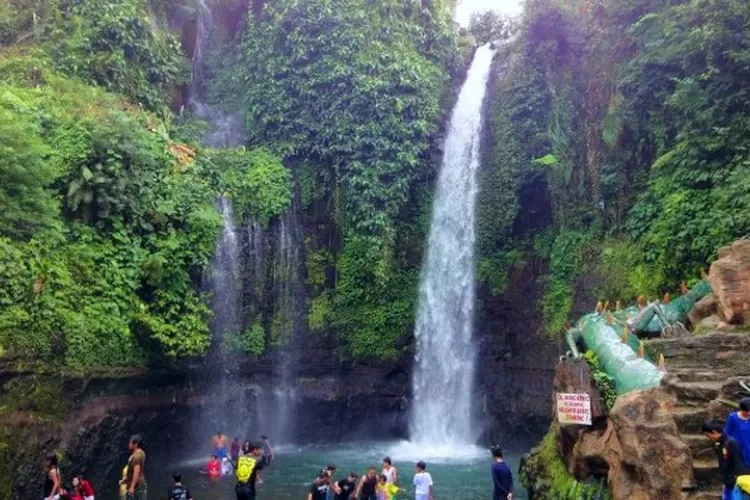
x,y
704,308
730,281
654,461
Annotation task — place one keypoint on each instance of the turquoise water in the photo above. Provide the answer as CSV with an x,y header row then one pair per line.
x,y
464,476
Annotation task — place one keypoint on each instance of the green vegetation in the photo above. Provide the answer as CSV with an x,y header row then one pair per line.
x,y
602,381
357,107
545,475
109,221
621,126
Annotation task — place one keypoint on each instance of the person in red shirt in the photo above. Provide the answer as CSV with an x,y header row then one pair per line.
x,y
84,488
213,468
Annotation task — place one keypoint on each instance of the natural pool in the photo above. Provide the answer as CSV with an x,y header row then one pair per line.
x,y
460,473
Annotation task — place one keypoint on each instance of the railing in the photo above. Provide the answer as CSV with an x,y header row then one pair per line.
x,y
612,337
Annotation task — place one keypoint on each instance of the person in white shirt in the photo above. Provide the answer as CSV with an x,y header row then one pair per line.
x,y
422,483
389,471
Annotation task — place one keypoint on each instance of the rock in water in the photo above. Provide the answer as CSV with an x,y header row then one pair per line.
x,y
654,461
730,281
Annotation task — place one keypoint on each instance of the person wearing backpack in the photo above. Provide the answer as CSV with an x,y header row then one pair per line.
x,y
248,466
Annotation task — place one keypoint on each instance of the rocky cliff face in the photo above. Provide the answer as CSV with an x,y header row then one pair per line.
x,y
88,421
516,362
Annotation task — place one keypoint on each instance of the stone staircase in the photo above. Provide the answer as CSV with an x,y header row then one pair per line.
x,y
694,390
700,371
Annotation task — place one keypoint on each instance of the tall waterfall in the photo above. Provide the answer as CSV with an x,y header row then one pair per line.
x,y
445,358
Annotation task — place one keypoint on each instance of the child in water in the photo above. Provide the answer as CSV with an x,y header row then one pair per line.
x,y
123,484
213,468
226,467
386,490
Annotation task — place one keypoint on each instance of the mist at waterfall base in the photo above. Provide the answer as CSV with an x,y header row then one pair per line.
x,y
294,469
442,419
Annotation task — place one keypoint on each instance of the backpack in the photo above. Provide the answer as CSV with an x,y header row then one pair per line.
x,y
245,468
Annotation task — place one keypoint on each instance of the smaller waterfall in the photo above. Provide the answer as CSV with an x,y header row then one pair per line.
x,y
225,277
227,129
203,26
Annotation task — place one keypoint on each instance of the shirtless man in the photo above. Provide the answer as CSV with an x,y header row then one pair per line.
x,y
220,445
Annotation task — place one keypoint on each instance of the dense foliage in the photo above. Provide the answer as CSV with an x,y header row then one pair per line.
x,y
620,135
109,221
358,106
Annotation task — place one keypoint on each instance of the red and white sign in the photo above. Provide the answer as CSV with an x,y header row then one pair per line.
x,y
573,409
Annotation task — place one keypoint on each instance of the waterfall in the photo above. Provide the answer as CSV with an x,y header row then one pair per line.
x,y
445,357
225,277
227,130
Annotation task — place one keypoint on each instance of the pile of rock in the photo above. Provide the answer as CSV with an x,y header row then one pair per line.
x,y
729,304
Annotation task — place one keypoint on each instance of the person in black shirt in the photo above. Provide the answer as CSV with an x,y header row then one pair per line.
x,y
178,490
501,477
344,489
729,453
319,488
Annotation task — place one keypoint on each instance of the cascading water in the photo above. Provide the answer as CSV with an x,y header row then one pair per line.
x,y
445,358
225,277
227,129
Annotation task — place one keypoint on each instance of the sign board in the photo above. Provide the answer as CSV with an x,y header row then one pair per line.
x,y
573,409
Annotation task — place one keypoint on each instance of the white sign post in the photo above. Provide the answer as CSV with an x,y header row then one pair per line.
x,y
573,409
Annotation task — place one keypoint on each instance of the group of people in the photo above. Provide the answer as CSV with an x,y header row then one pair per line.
x,y
247,462
371,486
384,486
732,447
54,488
132,484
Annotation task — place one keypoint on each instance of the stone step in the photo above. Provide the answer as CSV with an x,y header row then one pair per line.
x,y
694,393
706,473
711,494
697,374
700,447
689,419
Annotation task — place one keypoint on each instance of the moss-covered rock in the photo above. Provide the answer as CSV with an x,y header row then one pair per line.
x,y
545,476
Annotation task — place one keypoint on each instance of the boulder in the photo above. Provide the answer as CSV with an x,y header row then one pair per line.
x,y
704,308
574,376
654,461
730,280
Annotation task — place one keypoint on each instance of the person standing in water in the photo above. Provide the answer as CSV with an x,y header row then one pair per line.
x,y
386,490
235,451
344,489
248,466
389,471
220,445
738,427
178,491
268,455
368,485
422,483
320,487
136,480
331,470
123,484
52,479
502,477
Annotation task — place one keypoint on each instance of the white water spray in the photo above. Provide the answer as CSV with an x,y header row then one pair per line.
x,y
444,365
